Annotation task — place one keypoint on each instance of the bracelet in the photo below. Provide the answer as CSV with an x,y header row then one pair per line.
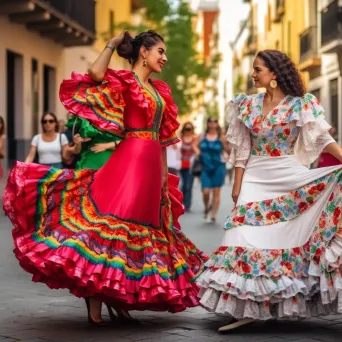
x,y
110,47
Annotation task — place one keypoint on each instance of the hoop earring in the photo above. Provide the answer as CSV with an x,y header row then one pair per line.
x,y
273,84
144,62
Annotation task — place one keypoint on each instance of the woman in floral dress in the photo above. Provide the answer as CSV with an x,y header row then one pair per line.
x,y
282,248
111,235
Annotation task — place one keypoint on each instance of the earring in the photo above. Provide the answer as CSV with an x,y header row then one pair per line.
x,y
144,62
273,84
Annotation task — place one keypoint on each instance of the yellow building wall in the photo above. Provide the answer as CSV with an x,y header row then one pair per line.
x,y
283,35
121,12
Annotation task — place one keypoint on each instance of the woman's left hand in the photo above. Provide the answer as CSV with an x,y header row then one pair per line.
x,y
100,147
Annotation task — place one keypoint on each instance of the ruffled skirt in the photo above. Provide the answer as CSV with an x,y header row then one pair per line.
x,y
106,233
281,252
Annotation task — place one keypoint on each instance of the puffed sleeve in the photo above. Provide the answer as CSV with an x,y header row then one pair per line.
x,y
169,124
238,135
101,104
314,130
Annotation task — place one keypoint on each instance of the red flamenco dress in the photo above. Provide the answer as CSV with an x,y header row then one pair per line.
x,y
110,234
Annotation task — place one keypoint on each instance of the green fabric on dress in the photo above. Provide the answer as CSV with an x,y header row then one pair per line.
x,y
89,159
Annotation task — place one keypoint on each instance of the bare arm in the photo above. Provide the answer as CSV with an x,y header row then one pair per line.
x,y
164,170
195,145
31,154
335,150
98,70
238,175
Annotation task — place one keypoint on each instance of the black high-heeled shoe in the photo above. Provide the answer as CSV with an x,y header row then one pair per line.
x,y
90,319
123,315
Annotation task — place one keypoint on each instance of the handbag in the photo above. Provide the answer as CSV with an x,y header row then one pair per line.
x,y
197,167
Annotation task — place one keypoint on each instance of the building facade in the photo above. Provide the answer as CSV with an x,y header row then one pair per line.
x,y
42,42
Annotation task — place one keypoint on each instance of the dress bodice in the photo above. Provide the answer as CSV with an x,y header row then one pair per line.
x,y
296,126
276,141
123,106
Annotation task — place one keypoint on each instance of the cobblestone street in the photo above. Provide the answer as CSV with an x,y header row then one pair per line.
x,y
32,312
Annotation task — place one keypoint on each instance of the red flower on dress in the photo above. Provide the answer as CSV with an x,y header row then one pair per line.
x,y
297,195
331,197
245,267
287,131
337,212
320,186
302,206
275,153
268,203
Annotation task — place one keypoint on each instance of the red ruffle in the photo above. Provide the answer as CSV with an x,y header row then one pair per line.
x,y
170,123
61,266
176,198
82,85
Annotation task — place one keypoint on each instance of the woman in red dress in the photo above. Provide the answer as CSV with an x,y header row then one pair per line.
x,y
111,235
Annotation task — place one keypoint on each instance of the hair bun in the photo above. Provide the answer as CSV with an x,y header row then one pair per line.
x,y
125,49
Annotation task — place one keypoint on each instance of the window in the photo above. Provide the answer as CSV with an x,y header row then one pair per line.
x,y
111,23
334,103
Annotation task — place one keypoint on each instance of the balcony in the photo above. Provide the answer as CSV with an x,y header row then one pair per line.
x,y
331,28
279,10
309,56
69,23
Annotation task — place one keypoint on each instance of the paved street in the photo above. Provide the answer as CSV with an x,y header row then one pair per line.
x,y
32,312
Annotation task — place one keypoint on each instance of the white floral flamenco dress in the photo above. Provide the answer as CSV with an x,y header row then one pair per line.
x,y
282,248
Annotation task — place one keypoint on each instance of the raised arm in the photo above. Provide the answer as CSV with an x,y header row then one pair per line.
x,y
99,68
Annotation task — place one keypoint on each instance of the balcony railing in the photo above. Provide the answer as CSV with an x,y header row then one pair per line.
x,y
308,44
331,20
67,22
81,11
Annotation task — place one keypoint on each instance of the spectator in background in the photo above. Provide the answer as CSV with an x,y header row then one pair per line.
x,y
187,154
211,146
50,147
173,159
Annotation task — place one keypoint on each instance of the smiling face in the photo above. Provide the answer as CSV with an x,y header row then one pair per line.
x,y
155,56
262,76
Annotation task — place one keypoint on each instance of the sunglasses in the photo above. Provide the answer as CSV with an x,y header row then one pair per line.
x,y
48,121
213,121
187,128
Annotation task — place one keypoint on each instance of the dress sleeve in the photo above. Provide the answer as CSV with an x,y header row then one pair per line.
x,y
314,130
101,104
169,124
238,134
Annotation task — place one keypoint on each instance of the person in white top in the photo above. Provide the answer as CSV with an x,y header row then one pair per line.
x,y
50,146
173,159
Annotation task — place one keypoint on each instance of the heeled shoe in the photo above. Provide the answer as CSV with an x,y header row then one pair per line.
x,y
123,315
90,319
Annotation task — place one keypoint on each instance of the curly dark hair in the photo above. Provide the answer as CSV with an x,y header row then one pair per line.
x,y
130,47
288,77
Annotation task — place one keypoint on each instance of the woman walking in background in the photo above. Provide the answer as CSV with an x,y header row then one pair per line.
x,y
210,147
187,137
50,147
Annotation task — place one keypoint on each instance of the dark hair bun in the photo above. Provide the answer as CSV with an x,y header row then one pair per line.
x,y
125,49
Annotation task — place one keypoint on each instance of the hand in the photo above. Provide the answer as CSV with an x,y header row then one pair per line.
x,y
236,192
116,41
100,147
78,140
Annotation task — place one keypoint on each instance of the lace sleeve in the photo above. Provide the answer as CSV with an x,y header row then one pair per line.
x,y
314,131
238,136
